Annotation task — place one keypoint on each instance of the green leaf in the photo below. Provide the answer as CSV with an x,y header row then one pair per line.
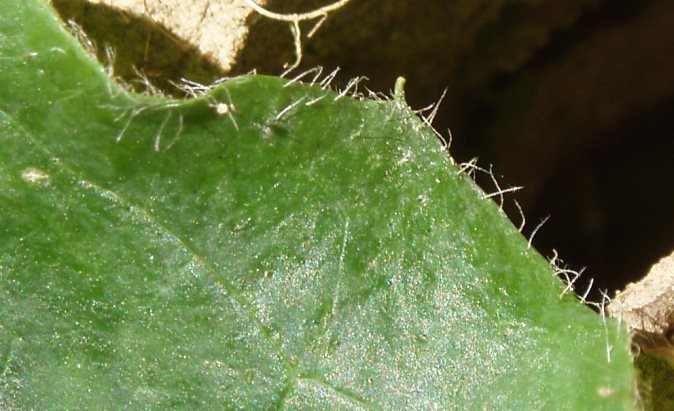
x,y
249,250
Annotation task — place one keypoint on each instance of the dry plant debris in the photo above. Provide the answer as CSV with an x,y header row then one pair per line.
x,y
647,307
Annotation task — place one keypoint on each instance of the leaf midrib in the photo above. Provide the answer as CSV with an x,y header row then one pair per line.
x,y
120,200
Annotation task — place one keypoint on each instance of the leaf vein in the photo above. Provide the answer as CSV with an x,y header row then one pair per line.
x,y
120,200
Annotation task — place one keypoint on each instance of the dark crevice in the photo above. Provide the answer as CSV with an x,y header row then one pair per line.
x,y
614,215
610,201
606,14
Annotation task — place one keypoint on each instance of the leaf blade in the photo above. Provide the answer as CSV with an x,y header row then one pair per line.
x,y
329,256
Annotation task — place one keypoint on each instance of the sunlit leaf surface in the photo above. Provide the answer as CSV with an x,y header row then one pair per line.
x,y
263,247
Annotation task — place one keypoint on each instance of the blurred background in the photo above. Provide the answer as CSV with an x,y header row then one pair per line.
x,y
574,100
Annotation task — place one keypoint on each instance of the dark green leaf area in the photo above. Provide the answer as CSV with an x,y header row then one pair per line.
x,y
269,245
